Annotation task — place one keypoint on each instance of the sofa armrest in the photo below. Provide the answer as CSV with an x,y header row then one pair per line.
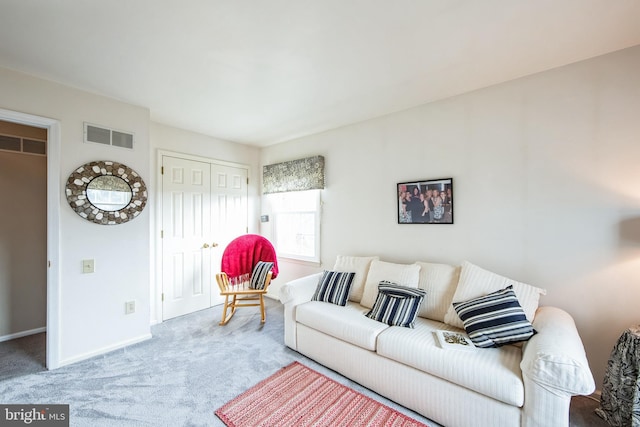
x,y
299,290
554,358
293,294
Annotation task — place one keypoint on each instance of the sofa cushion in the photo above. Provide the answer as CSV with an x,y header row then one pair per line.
x,y
360,266
495,319
402,274
333,287
440,282
396,305
476,282
494,372
347,323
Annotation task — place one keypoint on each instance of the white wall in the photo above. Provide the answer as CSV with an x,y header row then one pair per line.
x,y
92,318
546,188
169,138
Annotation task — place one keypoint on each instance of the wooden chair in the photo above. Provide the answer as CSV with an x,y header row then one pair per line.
x,y
237,296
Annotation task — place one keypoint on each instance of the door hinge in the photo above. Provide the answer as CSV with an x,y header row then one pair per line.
x,y
247,180
161,170
49,264
162,234
163,297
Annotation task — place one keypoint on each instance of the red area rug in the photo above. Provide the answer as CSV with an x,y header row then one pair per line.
x,y
297,396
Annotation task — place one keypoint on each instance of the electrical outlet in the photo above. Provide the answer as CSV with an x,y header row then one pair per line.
x,y
88,266
129,307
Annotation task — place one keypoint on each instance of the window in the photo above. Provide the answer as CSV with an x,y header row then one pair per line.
x,y
296,224
292,196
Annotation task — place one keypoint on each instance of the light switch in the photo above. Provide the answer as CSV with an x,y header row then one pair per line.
x,y
129,307
88,266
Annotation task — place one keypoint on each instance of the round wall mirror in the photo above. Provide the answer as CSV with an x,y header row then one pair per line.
x,y
106,192
109,193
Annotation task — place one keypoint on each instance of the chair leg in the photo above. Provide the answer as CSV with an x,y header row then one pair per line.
x,y
234,305
225,318
231,304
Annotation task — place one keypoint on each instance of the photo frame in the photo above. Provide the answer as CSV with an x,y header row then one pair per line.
x,y
427,201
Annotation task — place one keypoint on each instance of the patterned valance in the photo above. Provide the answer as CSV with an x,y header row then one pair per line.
x,y
295,175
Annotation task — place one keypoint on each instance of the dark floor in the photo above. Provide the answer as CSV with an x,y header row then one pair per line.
x,y
27,356
582,412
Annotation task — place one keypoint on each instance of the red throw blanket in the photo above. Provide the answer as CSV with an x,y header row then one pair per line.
x,y
243,253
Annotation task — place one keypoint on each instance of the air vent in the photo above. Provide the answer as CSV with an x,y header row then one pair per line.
x,y
106,136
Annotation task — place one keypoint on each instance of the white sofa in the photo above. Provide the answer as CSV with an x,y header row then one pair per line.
x,y
528,384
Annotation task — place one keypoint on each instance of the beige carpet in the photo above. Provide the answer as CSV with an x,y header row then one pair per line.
x,y
179,377
190,367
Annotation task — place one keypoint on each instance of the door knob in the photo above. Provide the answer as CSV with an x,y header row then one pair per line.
x,y
214,245
205,246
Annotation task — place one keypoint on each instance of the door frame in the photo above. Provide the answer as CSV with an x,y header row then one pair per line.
x,y
53,227
157,297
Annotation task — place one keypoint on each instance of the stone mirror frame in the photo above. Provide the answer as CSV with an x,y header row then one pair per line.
x,y
111,179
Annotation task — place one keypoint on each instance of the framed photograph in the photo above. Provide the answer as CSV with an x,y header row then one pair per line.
x,y
425,201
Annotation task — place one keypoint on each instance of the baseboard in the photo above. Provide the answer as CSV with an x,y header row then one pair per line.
x,y
271,296
23,334
104,350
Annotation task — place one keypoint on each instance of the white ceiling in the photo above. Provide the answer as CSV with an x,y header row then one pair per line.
x,y
265,71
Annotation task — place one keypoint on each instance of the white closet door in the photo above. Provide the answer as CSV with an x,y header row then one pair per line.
x,y
204,207
186,235
229,211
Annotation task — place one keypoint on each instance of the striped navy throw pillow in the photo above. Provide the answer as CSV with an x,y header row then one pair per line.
x,y
396,305
259,275
334,287
495,319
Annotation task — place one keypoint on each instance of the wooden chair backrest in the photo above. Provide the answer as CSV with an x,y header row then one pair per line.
x,y
223,281
225,285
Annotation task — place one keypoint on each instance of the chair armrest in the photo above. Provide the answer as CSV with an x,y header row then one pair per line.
x,y
299,290
554,358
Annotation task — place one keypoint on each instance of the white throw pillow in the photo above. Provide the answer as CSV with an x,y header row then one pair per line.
x,y
476,282
400,274
358,265
440,282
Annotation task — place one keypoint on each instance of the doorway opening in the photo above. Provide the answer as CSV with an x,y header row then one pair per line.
x,y
51,227
23,254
